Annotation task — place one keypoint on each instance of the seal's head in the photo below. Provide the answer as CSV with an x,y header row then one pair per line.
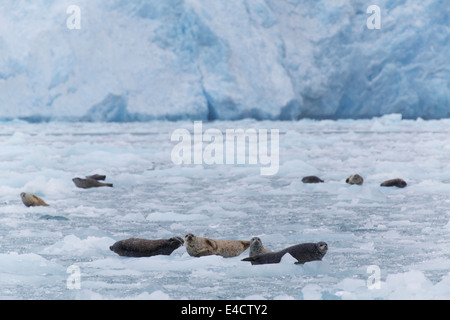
x,y
176,241
322,246
22,195
401,183
189,237
255,240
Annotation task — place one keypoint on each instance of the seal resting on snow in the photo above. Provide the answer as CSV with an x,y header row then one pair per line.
x,y
256,247
303,252
355,179
30,200
400,183
135,247
197,246
311,179
92,181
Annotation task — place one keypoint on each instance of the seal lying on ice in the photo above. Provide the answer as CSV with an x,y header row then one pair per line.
x,y
400,183
303,252
197,246
31,200
311,179
135,247
92,181
355,179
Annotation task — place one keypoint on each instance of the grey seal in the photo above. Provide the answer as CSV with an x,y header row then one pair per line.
x,y
135,247
311,179
355,179
256,247
303,252
197,246
31,200
92,181
400,183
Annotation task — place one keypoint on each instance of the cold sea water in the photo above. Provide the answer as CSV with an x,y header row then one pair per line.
x,y
384,243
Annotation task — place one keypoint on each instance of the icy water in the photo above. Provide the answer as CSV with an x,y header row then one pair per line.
x,y
384,243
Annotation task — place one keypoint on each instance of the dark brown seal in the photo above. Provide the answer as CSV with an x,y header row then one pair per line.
x,y
92,181
197,246
311,179
303,252
135,247
400,183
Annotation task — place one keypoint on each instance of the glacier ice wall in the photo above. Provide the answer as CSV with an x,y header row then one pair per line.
x,y
204,60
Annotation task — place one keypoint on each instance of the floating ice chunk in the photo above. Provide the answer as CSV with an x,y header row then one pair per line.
x,y
312,292
72,245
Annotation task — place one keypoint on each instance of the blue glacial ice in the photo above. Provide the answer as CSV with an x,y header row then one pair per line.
x,y
207,60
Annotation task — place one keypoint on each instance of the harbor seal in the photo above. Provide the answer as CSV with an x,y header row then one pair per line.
x,y
355,179
311,179
400,183
198,247
256,247
91,182
135,247
96,177
30,200
303,252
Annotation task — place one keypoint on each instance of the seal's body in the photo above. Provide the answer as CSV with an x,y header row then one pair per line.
x,y
30,200
311,179
256,247
355,179
303,252
135,247
400,183
97,177
197,246
91,182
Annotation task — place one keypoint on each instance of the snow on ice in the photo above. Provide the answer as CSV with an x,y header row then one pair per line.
x,y
384,243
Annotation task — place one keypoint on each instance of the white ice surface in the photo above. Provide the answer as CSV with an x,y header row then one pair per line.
x,y
402,231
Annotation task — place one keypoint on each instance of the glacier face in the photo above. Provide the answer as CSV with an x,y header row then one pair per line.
x,y
206,60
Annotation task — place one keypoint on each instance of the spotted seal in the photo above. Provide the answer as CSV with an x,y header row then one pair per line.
x,y
136,247
355,179
303,252
31,200
256,247
197,246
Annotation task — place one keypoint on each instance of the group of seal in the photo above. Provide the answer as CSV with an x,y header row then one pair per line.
x,y
92,181
199,247
358,180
